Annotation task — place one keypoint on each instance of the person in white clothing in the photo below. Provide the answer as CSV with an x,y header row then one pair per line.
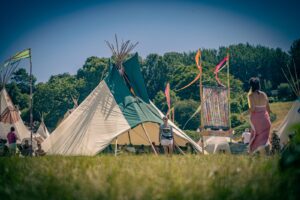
x,y
246,136
166,137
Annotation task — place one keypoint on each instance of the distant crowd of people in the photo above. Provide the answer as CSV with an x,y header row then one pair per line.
x,y
10,147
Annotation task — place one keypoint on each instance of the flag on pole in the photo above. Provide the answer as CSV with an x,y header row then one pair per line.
x,y
197,59
219,67
199,65
17,57
21,55
167,94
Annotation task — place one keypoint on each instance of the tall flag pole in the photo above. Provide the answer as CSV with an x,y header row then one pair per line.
x,y
228,85
198,59
31,102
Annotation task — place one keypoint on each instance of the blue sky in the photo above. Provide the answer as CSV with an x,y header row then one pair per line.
x,y
62,34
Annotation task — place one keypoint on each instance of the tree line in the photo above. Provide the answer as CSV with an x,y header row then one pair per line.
x,y
53,98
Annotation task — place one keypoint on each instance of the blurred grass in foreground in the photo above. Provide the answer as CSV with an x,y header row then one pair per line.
x,y
141,177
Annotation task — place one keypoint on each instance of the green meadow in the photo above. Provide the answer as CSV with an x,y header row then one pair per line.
x,y
142,177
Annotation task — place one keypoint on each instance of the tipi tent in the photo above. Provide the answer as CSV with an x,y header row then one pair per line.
x,y
75,101
293,115
10,116
117,109
42,130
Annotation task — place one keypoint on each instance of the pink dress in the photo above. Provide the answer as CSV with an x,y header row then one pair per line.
x,y
260,125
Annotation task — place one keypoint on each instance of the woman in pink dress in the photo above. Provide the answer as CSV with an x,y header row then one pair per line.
x,y
259,116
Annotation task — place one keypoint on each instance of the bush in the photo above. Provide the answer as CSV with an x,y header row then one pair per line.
x,y
184,110
284,91
193,134
273,117
290,164
240,129
235,120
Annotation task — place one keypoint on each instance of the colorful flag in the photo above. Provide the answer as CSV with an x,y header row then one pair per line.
x,y
21,55
197,59
219,67
167,94
199,65
17,57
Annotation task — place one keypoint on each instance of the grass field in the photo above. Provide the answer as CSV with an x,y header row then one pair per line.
x,y
140,177
281,109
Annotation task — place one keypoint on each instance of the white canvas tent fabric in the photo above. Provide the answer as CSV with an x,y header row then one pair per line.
x,y
10,116
215,144
96,123
42,130
292,118
117,109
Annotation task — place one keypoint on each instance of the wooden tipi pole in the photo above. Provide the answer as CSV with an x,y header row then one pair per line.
x,y
31,102
146,133
228,85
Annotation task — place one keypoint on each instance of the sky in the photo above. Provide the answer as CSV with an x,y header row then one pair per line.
x,y
63,33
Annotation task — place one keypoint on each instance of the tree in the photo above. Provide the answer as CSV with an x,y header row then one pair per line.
x,y
54,97
22,79
93,71
155,71
183,111
284,91
295,56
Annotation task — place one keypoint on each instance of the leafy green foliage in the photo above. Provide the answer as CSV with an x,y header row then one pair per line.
x,y
93,71
284,91
290,164
54,97
235,120
184,110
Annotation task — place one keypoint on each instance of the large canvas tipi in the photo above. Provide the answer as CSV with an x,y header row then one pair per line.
x,y
10,116
117,110
293,116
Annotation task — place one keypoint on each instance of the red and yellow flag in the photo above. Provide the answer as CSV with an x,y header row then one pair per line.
x,y
167,94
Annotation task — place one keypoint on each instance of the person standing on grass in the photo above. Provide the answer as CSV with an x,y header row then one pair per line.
x,y
12,141
166,137
259,117
246,136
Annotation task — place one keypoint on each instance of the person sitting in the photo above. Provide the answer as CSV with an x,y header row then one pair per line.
x,y
130,149
26,149
3,148
141,149
39,151
246,136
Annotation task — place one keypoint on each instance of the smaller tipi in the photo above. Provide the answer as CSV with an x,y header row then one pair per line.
x,y
9,117
42,132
